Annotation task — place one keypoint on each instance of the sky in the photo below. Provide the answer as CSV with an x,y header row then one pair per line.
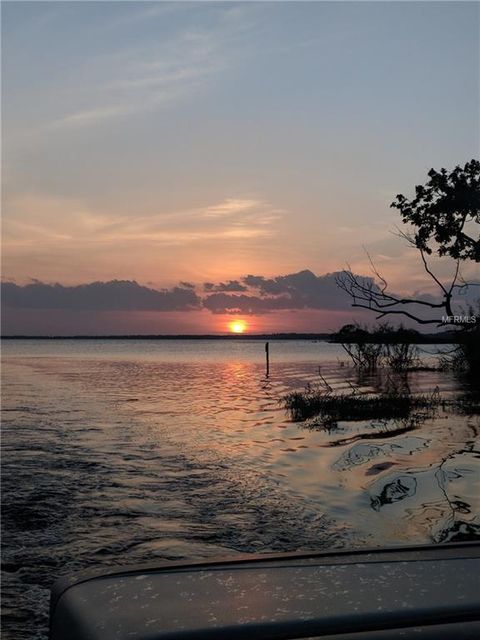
x,y
168,150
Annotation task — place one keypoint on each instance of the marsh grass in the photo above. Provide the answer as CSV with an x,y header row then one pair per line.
x,y
401,356
468,403
314,402
394,402
464,357
396,356
365,356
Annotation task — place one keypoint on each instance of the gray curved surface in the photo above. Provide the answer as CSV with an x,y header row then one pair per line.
x,y
403,593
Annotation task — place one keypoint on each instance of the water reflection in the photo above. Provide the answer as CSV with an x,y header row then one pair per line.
x,y
394,491
459,481
363,452
133,458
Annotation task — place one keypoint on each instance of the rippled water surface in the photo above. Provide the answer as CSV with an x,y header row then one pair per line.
x,y
118,452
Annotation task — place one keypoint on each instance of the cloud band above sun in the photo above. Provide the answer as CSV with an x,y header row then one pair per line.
x,y
251,295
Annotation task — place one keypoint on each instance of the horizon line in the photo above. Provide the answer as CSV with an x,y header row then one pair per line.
x,y
324,336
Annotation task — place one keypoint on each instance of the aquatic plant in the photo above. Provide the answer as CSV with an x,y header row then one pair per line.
x,y
383,346
330,408
464,357
365,356
468,403
401,356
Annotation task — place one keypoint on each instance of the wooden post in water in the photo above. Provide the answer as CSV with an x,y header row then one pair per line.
x,y
267,358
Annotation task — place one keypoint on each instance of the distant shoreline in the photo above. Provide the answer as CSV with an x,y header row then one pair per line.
x,y
226,336
320,337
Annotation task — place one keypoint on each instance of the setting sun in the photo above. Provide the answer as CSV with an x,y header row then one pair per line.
x,y
237,326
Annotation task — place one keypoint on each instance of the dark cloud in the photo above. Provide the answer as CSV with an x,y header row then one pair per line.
x,y
117,295
230,286
265,286
302,290
305,288
257,295
245,304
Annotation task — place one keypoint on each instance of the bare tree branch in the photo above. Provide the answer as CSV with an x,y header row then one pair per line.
x,y
372,294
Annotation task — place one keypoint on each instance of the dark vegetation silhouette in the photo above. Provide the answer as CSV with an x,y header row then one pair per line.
x,y
383,333
444,211
439,215
391,347
393,401
443,219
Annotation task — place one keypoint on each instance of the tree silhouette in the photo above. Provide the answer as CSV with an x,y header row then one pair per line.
x,y
445,214
445,211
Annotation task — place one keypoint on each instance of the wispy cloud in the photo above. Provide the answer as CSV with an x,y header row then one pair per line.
x,y
133,81
72,221
89,116
229,207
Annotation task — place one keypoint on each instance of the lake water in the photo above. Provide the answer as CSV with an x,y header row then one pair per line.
x,y
124,451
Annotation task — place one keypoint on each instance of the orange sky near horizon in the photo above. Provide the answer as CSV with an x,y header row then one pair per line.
x,y
19,322
213,141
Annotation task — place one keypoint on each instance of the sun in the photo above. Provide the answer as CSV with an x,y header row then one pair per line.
x,y
237,326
